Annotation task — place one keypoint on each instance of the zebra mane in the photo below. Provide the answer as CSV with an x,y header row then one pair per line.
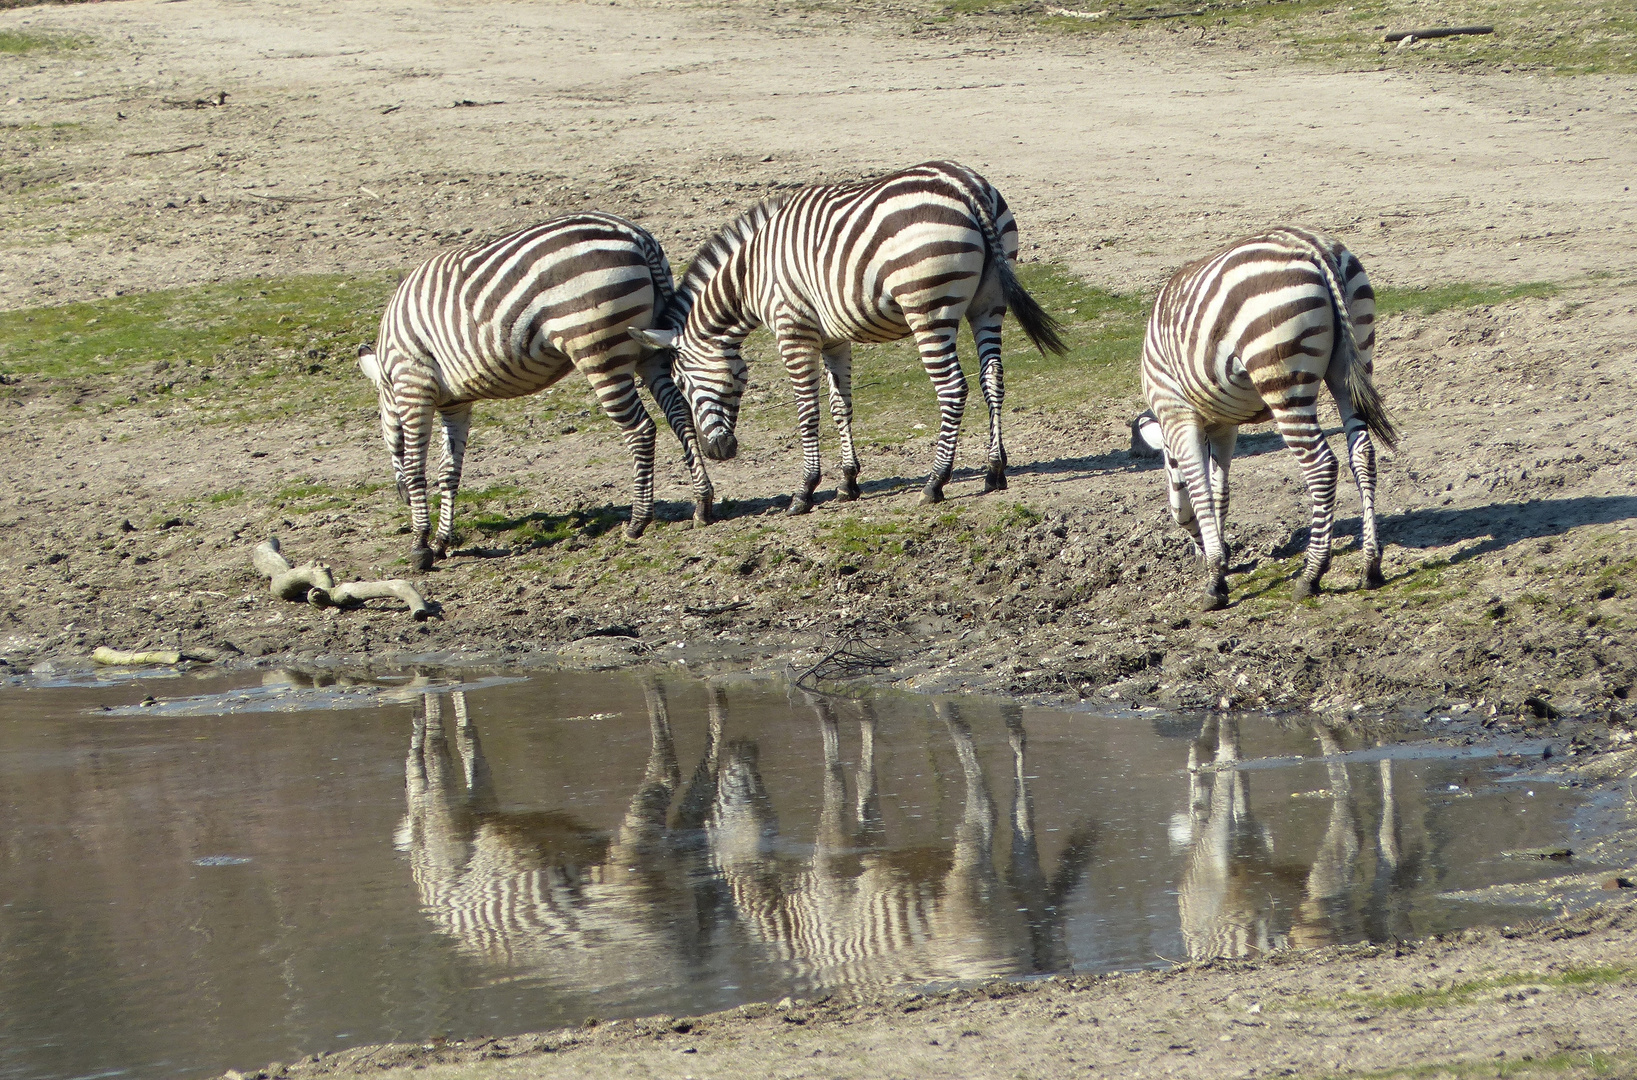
x,y
713,254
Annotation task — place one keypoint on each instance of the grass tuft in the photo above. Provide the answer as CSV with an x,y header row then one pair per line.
x,y
1431,299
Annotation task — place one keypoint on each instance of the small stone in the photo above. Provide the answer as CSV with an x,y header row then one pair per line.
x,y
1617,883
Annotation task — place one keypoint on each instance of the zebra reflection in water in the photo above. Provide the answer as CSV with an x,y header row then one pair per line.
x,y
539,894
858,914
1235,900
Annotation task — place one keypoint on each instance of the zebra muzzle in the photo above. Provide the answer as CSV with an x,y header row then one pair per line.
x,y
722,447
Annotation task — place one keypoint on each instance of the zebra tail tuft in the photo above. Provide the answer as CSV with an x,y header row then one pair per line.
x,y
1366,400
1044,330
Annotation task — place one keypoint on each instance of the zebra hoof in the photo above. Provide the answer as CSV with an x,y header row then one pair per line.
x,y
995,480
1304,589
1373,578
634,529
420,560
703,513
799,505
931,496
1216,596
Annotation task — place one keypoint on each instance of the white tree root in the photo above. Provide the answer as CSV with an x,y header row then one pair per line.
x,y
315,582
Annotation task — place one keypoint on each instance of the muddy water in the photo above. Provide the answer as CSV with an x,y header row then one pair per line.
x,y
234,873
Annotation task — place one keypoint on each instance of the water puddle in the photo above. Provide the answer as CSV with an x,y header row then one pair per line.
x,y
245,870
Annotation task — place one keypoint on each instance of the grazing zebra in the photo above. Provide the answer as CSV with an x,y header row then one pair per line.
x,y
508,318
1245,336
911,253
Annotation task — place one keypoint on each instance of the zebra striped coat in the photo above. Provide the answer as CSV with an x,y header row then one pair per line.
x,y
1246,336
511,317
910,254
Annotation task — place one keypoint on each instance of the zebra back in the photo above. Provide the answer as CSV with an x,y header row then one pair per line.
x,y
502,318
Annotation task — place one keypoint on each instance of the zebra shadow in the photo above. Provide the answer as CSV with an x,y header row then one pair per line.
x,y
1497,525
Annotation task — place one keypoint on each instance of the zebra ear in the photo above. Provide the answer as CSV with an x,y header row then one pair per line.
x,y
655,339
368,364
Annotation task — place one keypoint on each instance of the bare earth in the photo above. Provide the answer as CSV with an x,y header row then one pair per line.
x,y
1509,510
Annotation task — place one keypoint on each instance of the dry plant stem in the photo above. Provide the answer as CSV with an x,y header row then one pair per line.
x,y
315,582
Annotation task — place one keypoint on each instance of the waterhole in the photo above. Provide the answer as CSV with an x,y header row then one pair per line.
x,y
204,873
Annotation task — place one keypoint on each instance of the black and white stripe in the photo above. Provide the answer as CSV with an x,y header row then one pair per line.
x,y
1246,336
511,317
910,254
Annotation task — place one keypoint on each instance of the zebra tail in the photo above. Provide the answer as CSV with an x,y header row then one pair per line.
x,y
1361,390
1044,330
659,268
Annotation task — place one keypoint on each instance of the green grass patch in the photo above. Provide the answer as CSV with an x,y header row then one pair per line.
x,y
1575,1063
1462,992
241,350
19,42
540,530
1554,36
1435,298
222,498
309,497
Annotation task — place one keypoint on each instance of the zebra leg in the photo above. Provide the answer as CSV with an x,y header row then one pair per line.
x,y
943,367
1361,458
1182,507
416,418
1189,459
992,378
800,349
838,364
615,385
457,422
1221,441
675,407
1305,438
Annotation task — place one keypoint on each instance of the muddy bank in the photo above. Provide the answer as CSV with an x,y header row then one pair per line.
x,y
1544,1000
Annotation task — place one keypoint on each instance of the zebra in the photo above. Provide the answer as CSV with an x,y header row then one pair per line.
x,y
909,254
510,317
1245,336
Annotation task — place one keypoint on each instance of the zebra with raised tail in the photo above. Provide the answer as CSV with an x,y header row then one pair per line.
x,y
909,254
1246,336
508,318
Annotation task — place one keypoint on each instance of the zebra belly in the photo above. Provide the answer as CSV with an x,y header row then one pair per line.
x,y
510,377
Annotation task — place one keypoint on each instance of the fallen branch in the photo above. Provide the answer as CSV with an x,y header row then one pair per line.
x,y
171,150
317,584
853,657
1438,32
118,657
722,609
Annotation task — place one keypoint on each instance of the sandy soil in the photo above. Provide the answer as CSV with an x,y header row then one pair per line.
x,y
1503,1003
1508,511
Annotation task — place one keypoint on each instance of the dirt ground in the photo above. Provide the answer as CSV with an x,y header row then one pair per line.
x,y
363,138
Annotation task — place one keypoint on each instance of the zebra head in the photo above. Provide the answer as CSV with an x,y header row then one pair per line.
x,y
713,376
